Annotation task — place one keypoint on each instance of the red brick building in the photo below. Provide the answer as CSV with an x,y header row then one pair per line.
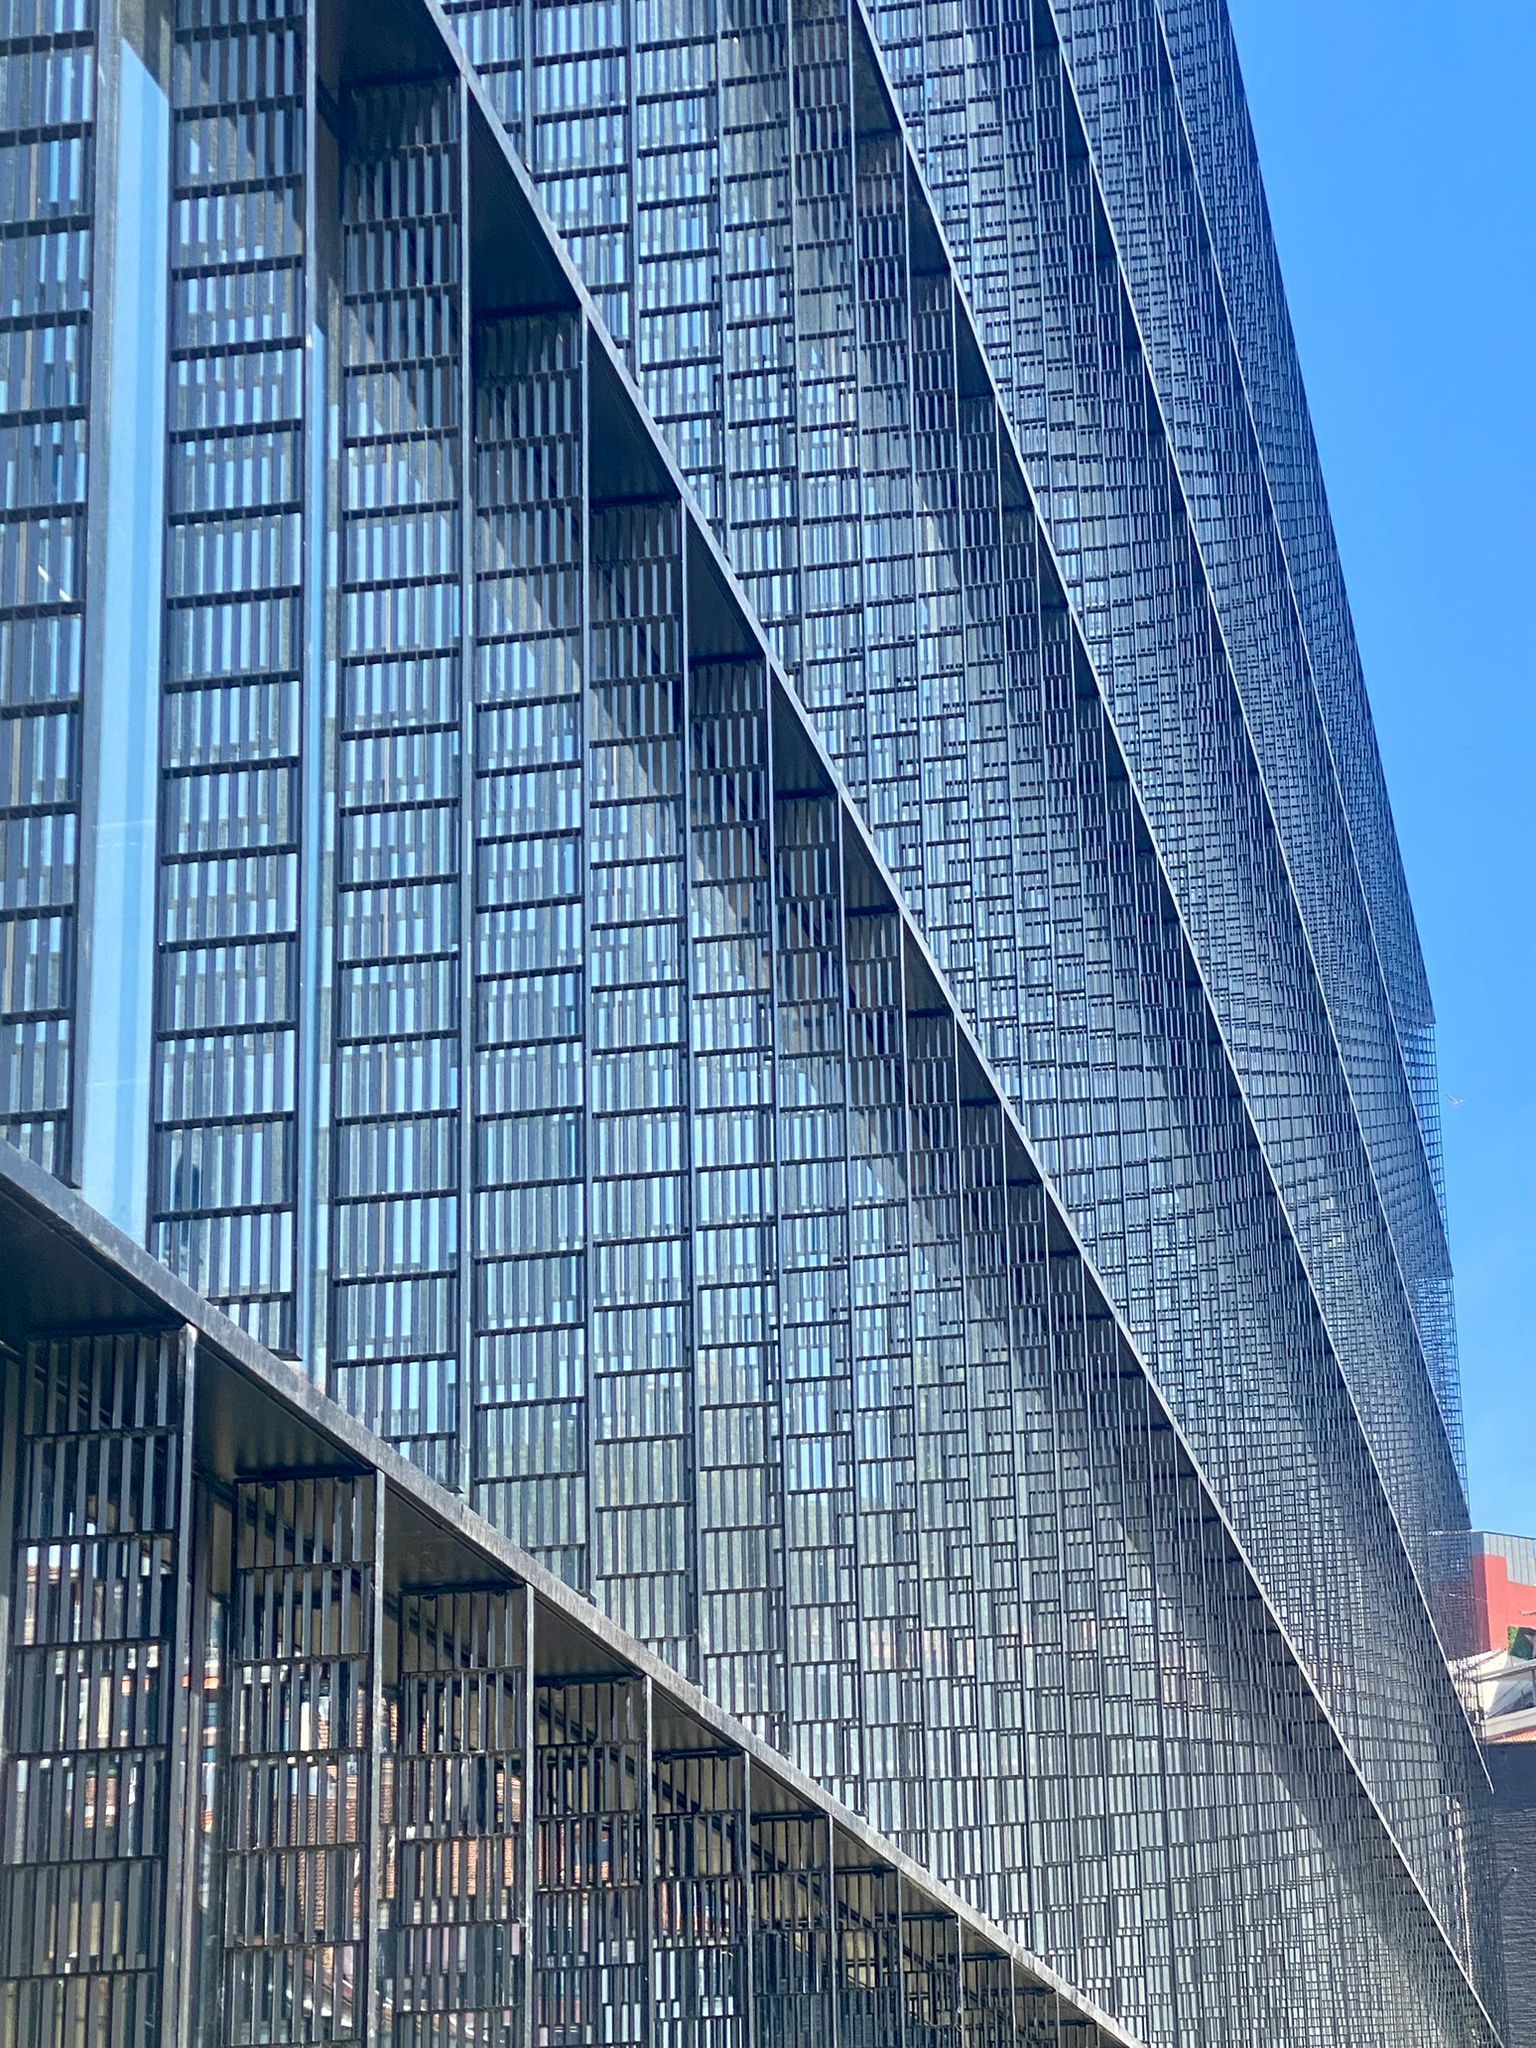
x,y
1503,1590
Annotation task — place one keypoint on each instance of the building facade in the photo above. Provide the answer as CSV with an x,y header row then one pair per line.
x,y
686,798
1512,1768
419,1791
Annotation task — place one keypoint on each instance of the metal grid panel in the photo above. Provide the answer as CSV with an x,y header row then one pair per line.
x,y
642,1394
87,1742
48,127
895,1790
397,1192
701,1978
48,191
592,1836
455,1797
529,1358
738,1426
792,1930
300,1789
1216,126
224,1173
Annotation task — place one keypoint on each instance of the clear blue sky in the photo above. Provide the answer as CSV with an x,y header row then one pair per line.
x,y
1398,139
